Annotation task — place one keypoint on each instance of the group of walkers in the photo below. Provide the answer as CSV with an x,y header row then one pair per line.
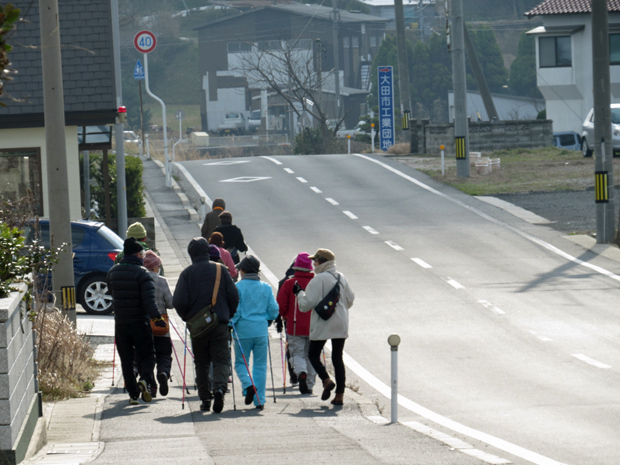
x,y
225,304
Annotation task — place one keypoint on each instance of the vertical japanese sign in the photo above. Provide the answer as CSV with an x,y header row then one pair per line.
x,y
386,107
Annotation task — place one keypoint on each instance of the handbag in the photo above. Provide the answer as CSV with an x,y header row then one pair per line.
x,y
159,331
205,321
327,306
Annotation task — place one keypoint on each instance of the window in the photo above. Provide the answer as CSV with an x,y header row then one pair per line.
x,y
355,41
555,51
269,45
614,49
235,47
373,41
20,176
346,41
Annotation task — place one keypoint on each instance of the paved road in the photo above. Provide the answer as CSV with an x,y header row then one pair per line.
x,y
502,332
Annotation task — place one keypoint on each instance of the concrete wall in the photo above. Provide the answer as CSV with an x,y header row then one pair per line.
x,y
20,405
484,136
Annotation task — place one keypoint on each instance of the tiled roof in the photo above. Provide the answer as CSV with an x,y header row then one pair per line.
x,y
87,61
559,7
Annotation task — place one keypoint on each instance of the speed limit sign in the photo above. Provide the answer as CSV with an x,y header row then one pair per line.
x,y
145,41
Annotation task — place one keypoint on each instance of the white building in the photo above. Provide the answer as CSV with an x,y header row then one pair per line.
x,y
564,59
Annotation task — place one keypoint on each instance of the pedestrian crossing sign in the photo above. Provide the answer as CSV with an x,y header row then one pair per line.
x,y
138,71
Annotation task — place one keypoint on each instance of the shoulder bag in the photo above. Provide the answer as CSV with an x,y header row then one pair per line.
x,y
205,321
326,307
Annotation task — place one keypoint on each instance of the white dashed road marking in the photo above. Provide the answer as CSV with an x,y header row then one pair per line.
x,y
300,179
226,162
490,306
591,361
245,179
332,201
316,189
542,338
273,160
289,171
349,214
454,284
370,230
394,245
421,262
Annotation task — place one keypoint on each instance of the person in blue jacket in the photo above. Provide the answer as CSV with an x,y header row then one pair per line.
x,y
257,309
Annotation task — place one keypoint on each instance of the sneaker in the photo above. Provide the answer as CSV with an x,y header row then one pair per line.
x,y
218,401
162,378
133,401
154,392
146,395
205,406
303,385
293,378
249,395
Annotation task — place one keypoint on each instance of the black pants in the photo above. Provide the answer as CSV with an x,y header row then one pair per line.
x,y
163,354
314,355
212,348
133,340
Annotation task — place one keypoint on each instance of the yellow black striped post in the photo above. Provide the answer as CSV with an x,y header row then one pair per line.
x,y
459,145
601,186
68,297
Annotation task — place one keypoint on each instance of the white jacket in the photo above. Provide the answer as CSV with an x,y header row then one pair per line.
x,y
337,327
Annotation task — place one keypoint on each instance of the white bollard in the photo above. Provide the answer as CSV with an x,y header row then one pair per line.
x,y
394,341
443,161
349,143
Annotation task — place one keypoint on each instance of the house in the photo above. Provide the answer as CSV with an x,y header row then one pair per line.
x,y
423,15
89,94
564,58
508,107
309,29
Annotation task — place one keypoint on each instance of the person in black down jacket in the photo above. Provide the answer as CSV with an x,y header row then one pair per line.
x,y
233,237
133,293
193,292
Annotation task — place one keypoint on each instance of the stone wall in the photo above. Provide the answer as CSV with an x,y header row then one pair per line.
x,y
484,136
20,404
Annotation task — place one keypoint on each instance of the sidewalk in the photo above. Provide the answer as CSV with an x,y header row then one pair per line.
x,y
103,429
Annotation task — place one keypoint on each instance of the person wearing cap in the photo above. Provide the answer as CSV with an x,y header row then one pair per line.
x,y
212,219
335,328
133,294
298,323
257,309
232,235
193,292
162,343
218,240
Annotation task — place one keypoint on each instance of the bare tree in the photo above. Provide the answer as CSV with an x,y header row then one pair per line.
x,y
291,69
9,15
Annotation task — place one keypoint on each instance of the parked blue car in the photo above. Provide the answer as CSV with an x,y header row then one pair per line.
x,y
568,140
95,247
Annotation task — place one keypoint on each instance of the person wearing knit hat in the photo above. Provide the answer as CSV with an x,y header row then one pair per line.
x,y
335,327
214,253
217,240
133,294
212,219
232,235
136,230
162,342
298,323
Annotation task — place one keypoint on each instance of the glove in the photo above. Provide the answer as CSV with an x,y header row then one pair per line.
x,y
269,322
279,325
296,288
159,322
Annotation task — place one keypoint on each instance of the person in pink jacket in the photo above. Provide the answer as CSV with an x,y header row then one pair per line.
x,y
218,240
298,323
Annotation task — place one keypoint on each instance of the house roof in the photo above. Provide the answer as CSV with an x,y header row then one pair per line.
x,y
313,11
563,7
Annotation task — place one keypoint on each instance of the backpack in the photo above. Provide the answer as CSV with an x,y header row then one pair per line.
x,y
327,306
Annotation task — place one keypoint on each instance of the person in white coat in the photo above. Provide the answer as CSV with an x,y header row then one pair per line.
x,y
336,328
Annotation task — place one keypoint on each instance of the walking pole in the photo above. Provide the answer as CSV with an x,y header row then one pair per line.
x,y
273,387
246,363
185,358
113,361
182,376
283,365
232,376
180,337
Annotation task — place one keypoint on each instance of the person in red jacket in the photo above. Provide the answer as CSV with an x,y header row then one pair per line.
x,y
298,323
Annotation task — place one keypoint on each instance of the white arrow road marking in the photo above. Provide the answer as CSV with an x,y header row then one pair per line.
x,y
349,214
332,201
591,361
226,162
421,262
370,230
245,179
394,245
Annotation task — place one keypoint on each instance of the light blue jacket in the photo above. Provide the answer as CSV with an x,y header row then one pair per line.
x,y
257,306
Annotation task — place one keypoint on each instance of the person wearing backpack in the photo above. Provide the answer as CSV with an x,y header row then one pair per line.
x,y
335,328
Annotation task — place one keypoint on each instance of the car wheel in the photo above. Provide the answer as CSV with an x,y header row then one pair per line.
x,y
95,296
585,150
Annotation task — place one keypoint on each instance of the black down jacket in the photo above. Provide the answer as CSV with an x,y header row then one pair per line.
x,y
133,292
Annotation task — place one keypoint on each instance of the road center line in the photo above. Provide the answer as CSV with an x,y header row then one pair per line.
x,y
454,284
394,245
490,306
349,214
370,230
332,201
289,171
591,361
421,262
316,190
273,160
300,179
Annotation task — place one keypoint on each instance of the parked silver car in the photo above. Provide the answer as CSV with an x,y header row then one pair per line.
x,y
587,133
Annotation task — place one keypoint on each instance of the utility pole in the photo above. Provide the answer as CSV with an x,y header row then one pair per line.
x,y
336,20
603,152
63,283
461,135
489,106
403,62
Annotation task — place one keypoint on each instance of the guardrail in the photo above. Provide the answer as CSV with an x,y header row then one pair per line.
x,y
245,141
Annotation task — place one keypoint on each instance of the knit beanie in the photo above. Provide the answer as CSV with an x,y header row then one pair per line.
x,y
217,239
136,230
249,264
303,262
214,253
131,246
151,260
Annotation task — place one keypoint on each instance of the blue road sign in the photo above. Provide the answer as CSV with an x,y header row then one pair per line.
x,y
386,107
138,71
